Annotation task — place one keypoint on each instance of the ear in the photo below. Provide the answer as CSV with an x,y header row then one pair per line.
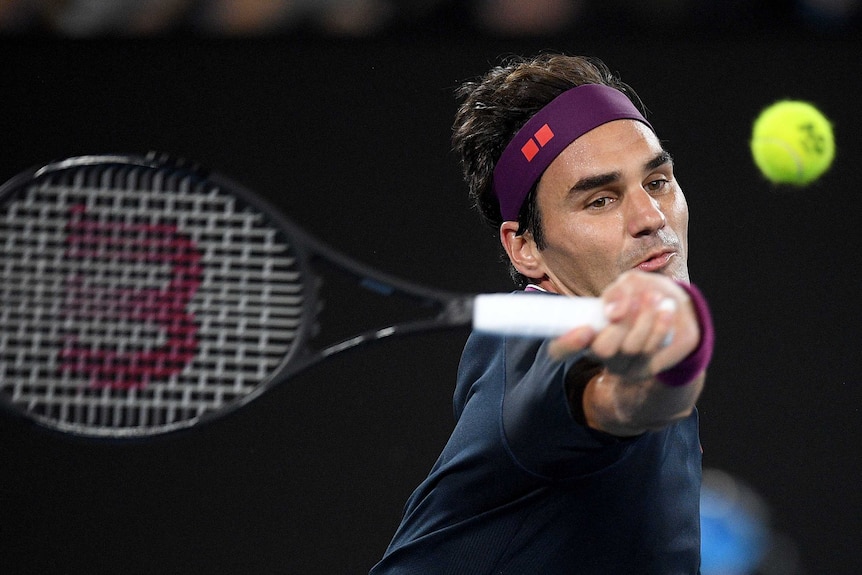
x,y
522,251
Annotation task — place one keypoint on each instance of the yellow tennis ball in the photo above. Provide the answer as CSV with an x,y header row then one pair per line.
x,y
792,143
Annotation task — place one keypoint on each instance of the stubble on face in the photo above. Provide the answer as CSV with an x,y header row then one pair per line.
x,y
610,203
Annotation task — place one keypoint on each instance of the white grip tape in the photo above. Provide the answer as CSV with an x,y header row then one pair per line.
x,y
536,315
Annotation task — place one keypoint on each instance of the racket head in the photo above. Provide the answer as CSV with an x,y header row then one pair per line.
x,y
140,295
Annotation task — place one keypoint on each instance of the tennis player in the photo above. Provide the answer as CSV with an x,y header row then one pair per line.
x,y
578,455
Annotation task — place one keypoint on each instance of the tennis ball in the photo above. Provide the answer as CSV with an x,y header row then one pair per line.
x,y
792,143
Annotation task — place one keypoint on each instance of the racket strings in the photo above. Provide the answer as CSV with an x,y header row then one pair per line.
x,y
138,298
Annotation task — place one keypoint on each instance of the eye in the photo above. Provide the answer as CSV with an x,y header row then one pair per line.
x,y
659,185
600,202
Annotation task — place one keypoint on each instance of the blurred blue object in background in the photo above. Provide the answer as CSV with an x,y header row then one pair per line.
x,y
735,533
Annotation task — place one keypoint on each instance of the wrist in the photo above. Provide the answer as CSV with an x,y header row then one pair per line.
x,y
694,364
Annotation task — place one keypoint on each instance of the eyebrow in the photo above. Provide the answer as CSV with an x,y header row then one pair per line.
x,y
663,158
592,182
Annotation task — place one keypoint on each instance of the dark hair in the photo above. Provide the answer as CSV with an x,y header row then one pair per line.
x,y
497,105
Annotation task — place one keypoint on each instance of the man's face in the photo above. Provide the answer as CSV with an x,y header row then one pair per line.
x,y
609,203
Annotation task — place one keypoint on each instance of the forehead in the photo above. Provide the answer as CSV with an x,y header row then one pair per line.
x,y
620,146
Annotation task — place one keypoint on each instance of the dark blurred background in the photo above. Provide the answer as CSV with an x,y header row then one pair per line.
x,y
339,112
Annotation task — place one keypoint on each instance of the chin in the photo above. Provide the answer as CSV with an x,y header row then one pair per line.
x,y
680,275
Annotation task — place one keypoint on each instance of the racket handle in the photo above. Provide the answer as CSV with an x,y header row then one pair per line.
x,y
536,315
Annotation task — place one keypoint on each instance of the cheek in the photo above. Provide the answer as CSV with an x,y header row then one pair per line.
x,y
679,215
584,242
590,256
680,228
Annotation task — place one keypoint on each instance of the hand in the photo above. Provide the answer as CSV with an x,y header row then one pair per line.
x,y
653,326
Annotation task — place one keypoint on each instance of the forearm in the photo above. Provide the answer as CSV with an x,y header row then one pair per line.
x,y
650,359
626,408
628,398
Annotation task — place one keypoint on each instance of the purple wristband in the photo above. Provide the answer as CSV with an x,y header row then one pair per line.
x,y
693,365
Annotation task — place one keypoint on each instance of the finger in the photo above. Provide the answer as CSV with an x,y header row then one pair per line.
x,y
608,342
571,342
643,325
663,332
668,338
621,306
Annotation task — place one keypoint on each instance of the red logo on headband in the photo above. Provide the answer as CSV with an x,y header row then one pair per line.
x,y
543,135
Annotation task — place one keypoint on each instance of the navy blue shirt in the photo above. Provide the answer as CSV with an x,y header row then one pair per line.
x,y
521,487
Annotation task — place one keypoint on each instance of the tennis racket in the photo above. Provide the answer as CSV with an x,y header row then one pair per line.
x,y
142,295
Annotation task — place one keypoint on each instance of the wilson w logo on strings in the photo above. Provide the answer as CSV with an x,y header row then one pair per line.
x,y
104,301
177,296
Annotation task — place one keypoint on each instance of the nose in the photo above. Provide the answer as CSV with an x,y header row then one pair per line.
x,y
645,216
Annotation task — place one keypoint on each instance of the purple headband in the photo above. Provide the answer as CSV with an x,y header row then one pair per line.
x,y
563,120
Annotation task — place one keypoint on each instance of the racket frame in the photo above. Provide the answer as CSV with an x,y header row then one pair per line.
x,y
453,309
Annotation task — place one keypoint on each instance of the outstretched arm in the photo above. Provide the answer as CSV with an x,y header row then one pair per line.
x,y
654,329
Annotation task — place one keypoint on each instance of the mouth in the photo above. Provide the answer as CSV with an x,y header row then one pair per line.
x,y
657,262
